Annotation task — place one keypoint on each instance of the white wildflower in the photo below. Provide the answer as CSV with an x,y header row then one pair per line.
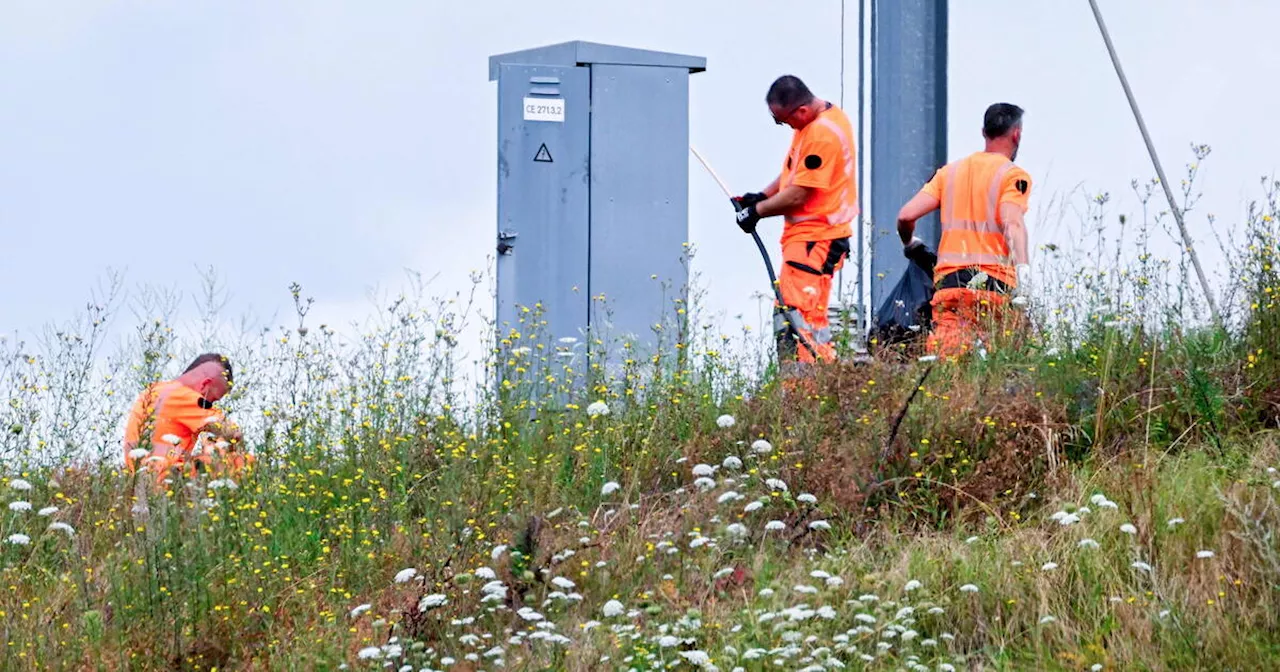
x,y
18,539
561,582
20,505
698,658
486,574
703,470
1128,528
1087,543
138,453
612,608
1138,564
753,506
826,612
912,585
432,601
355,613
1045,620
19,484
1204,554
597,408
946,667
60,526
865,618
766,592
704,484
405,575
528,614
774,525
807,590
369,652
1174,522
728,497
968,588
668,641
47,511
819,525
609,488
725,421
807,498
927,358
776,484
172,439
737,530
732,462
497,552
1049,566
970,540
761,446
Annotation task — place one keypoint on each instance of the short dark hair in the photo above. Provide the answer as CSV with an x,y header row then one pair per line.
x,y
212,357
1000,119
787,92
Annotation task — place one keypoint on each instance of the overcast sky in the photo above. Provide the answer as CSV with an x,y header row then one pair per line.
x,y
338,143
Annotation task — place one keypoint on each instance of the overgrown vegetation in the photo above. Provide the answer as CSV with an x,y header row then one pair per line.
x,y
1101,494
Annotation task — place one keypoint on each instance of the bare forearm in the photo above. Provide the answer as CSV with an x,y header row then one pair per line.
x,y
1016,234
783,202
920,205
772,189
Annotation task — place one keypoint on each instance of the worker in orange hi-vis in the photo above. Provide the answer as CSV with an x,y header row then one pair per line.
x,y
816,193
983,263
184,428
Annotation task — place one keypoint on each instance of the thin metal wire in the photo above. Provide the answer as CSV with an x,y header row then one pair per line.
x,y
1146,137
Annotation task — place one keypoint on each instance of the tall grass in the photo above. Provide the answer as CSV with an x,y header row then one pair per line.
x,y
1099,495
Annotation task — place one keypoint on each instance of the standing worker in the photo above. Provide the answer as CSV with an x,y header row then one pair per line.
x,y
816,194
982,256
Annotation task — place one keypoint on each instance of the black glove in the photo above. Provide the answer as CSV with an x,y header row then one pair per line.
x,y
751,198
920,253
747,217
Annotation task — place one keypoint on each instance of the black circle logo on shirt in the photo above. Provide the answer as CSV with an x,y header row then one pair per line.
x,y
812,162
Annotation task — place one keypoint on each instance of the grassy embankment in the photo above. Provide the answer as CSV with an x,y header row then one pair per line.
x,y
1100,495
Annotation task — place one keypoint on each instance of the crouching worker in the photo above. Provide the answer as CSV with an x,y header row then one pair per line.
x,y
982,263
173,424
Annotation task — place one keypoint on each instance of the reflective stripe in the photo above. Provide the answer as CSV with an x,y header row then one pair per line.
x,y
968,243
972,259
849,212
994,194
841,216
975,227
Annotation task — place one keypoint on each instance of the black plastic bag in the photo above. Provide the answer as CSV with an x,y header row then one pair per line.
x,y
905,314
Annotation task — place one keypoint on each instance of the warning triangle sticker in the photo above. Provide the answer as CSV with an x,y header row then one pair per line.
x,y
543,155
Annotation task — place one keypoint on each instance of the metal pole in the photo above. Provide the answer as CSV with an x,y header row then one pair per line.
x,y
1146,137
908,125
863,315
840,275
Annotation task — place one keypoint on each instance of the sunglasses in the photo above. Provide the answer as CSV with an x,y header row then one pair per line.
x,y
783,120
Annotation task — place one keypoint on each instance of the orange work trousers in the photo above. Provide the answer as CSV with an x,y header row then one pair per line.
x,y
962,317
808,268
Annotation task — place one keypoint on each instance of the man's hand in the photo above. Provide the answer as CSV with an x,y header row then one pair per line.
x,y
1022,292
747,217
751,198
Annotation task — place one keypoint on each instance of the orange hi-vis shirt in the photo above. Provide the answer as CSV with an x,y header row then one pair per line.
x,y
970,192
167,410
822,157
